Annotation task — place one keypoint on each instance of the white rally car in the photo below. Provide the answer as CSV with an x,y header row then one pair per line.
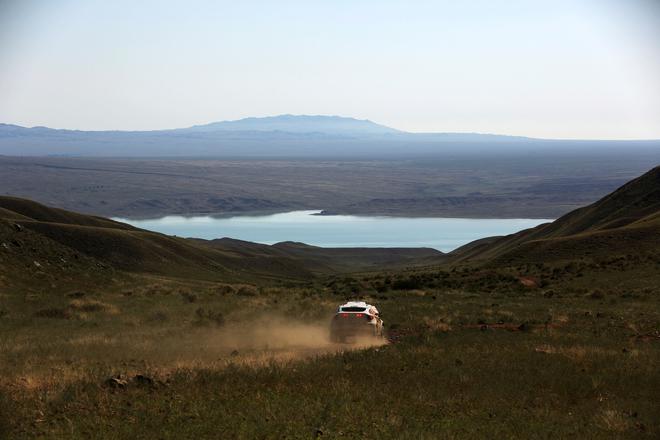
x,y
355,319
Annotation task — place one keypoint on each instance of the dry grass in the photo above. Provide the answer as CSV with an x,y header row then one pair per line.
x,y
439,324
269,368
613,420
93,306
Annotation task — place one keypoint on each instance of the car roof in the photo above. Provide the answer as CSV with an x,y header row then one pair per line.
x,y
355,304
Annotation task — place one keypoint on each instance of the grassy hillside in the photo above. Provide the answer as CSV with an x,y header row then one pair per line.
x,y
623,222
331,260
18,208
52,238
50,232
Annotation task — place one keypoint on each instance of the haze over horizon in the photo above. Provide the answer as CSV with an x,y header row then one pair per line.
x,y
560,70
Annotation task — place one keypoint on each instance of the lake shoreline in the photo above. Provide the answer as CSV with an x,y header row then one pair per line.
x,y
319,213
338,231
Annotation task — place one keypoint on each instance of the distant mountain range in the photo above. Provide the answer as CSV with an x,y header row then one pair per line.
x,y
276,136
333,125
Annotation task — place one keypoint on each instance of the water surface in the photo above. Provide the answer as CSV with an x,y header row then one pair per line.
x,y
444,234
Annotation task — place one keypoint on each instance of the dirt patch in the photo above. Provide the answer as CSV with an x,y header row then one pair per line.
x,y
528,282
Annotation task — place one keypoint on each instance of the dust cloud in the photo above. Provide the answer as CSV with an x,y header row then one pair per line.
x,y
281,339
160,351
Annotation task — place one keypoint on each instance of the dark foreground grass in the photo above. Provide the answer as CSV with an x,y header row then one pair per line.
x,y
465,365
472,384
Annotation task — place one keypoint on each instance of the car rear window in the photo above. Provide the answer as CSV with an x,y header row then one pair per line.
x,y
353,309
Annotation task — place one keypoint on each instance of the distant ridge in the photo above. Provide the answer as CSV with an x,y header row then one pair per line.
x,y
298,124
282,136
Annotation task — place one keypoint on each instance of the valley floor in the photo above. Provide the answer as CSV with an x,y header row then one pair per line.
x,y
535,186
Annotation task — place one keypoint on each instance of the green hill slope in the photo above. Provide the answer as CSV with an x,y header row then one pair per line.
x,y
57,246
330,260
625,221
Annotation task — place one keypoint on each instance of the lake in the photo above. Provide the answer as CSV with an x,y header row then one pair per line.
x,y
444,234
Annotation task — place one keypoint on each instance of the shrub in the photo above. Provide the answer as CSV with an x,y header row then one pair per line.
x,y
225,289
92,306
209,316
76,294
596,294
247,291
158,317
53,312
409,283
188,297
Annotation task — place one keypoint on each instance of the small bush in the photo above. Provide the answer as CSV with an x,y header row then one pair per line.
x,y
158,317
225,289
247,291
53,313
91,306
407,283
189,297
76,294
209,316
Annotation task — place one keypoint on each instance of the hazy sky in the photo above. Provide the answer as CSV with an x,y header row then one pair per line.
x,y
556,68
